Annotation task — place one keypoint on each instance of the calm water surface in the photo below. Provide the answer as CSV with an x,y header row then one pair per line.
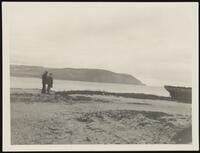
x,y
61,85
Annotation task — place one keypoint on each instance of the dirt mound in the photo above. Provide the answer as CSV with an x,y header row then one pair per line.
x,y
53,97
29,97
128,114
138,126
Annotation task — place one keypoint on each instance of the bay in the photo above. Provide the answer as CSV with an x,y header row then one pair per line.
x,y
65,85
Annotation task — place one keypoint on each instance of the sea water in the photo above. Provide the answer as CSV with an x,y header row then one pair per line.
x,y
65,85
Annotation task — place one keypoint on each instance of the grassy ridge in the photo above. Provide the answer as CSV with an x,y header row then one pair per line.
x,y
127,95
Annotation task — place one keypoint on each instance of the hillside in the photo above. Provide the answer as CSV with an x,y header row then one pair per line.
x,y
90,75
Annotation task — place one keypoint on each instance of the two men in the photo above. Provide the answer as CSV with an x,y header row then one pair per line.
x,y
47,80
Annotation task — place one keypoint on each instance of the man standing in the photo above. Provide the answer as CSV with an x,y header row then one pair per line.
x,y
49,82
44,82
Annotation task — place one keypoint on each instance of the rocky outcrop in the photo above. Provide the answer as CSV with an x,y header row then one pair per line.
x,y
182,94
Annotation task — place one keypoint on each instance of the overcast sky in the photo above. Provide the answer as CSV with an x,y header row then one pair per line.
x,y
153,42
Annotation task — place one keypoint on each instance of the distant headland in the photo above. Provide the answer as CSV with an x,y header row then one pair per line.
x,y
89,75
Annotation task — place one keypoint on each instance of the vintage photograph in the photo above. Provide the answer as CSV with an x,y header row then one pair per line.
x,y
100,73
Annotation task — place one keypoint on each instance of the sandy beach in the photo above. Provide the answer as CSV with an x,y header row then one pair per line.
x,y
96,119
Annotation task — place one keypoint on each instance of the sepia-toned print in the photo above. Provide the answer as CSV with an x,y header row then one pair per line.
x,y
101,73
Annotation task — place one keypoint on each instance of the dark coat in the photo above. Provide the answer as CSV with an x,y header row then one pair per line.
x,y
44,78
50,81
